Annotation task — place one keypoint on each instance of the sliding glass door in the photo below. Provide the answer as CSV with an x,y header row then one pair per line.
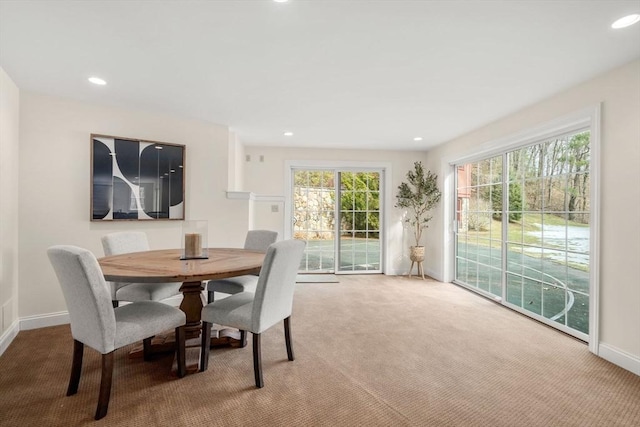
x,y
523,230
314,220
479,237
359,219
338,213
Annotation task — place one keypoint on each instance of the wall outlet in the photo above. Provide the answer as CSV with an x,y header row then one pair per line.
x,y
275,208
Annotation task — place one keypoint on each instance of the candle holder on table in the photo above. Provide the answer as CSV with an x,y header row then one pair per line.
x,y
194,239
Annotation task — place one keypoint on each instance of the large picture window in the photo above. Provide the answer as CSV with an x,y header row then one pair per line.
x,y
523,222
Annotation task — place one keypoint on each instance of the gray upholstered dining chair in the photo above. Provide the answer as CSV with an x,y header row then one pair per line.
x,y
256,240
96,323
123,242
257,312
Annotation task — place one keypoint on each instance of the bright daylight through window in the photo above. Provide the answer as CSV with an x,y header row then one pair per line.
x,y
337,212
523,229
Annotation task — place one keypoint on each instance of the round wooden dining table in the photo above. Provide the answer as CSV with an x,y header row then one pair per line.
x,y
166,266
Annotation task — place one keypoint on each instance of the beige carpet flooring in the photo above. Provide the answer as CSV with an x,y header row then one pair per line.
x,y
370,351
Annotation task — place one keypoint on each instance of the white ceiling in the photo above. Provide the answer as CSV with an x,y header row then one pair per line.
x,y
348,74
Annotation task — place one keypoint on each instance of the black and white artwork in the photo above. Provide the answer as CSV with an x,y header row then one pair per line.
x,y
136,180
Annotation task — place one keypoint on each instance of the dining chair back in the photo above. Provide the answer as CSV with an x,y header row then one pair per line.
x,y
260,240
256,240
257,312
96,323
273,300
124,242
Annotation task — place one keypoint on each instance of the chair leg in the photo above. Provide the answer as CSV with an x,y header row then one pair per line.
x,y
115,303
257,361
204,348
105,385
146,349
180,351
287,337
243,338
76,367
210,297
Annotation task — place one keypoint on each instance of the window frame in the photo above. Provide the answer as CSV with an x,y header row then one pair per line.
x,y
588,118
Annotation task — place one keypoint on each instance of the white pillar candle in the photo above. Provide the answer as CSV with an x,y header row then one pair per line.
x,y
192,245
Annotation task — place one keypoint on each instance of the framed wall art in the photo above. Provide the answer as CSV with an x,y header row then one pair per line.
x,y
133,179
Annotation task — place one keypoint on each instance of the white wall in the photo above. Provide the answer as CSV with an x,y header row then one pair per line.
x,y
267,178
9,137
235,163
55,186
619,92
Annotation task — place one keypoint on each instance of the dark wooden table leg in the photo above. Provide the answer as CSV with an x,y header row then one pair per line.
x,y
192,303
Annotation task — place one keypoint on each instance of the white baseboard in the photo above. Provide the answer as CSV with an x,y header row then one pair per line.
x,y
433,274
44,320
7,337
49,319
618,357
405,272
62,317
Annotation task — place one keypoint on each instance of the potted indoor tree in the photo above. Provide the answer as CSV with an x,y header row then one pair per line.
x,y
418,196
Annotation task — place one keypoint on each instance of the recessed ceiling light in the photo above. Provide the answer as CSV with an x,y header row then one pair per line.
x,y
626,21
417,138
280,1
97,81
288,133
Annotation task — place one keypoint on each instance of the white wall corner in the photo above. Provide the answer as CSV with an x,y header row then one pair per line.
x,y
618,357
436,275
235,162
8,336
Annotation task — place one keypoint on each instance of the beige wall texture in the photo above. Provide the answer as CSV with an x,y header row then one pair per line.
x,y
618,91
55,186
9,137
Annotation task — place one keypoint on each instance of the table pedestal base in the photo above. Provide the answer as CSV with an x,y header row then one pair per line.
x,y
191,304
166,343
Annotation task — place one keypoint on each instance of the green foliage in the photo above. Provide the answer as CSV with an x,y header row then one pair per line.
x,y
313,179
419,195
515,201
577,153
359,196
555,175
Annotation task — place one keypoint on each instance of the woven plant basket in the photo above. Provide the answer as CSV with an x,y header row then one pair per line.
x,y
416,253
